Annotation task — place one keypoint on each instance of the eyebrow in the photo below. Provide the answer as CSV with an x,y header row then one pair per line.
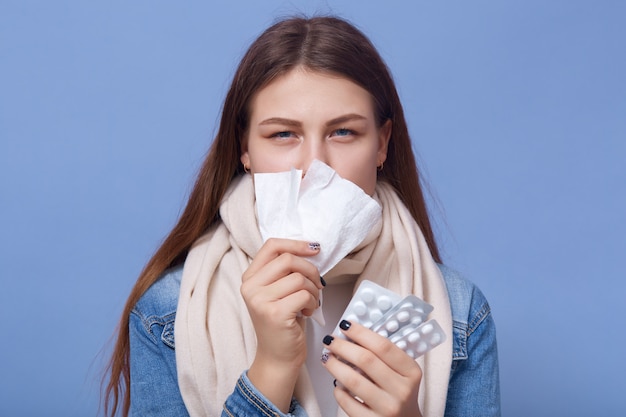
x,y
346,118
295,123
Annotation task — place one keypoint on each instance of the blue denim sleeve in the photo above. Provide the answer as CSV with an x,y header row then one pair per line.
x,y
153,382
246,400
154,387
474,387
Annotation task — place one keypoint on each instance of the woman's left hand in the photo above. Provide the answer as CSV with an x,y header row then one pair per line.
x,y
388,383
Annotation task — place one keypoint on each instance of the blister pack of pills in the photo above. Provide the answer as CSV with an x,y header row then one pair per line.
x,y
415,341
368,305
409,312
401,320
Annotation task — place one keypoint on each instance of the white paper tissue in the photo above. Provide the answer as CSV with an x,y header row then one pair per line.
x,y
321,207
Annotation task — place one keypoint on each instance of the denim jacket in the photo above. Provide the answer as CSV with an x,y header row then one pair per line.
x,y
473,390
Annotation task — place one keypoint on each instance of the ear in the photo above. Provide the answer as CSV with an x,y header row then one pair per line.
x,y
245,159
384,134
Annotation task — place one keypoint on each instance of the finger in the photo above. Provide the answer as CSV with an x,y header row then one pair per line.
x,y
400,379
350,378
299,301
274,248
371,378
360,396
351,405
284,265
291,284
381,347
384,393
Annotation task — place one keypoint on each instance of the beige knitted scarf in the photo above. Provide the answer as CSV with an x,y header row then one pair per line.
x,y
215,339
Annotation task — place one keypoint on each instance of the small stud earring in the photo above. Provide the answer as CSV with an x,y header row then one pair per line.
x,y
246,169
380,167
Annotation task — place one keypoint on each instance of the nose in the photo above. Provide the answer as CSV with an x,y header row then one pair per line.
x,y
314,149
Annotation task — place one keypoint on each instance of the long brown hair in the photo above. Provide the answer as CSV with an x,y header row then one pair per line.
x,y
325,44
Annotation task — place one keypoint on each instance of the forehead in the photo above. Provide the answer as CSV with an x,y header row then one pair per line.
x,y
305,94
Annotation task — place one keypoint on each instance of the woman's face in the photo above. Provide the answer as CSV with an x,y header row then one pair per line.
x,y
305,115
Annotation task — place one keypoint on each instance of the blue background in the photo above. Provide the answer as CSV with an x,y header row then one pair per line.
x,y
516,108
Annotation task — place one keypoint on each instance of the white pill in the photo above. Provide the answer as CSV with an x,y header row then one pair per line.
x,y
421,347
383,333
375,315
410,353
407,331
359,308
435,339
401,344
407,305
427,328
391,325
414,337
352,317
417,320
367,295
403,316
384,303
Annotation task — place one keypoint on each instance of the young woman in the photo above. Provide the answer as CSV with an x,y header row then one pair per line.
x,y
307,89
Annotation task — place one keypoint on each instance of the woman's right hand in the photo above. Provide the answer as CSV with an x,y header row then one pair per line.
x,y
278,288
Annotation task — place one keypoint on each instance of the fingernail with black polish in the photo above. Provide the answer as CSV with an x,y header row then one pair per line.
x,y
345,324
334,382
327,340
322,281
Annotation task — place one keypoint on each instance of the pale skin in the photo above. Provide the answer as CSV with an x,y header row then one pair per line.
x,y
301,116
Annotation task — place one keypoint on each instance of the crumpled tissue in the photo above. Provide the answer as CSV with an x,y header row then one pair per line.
x,y
319,207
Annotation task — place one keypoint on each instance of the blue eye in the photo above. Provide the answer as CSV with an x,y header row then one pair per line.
x,y
284,134
343,132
